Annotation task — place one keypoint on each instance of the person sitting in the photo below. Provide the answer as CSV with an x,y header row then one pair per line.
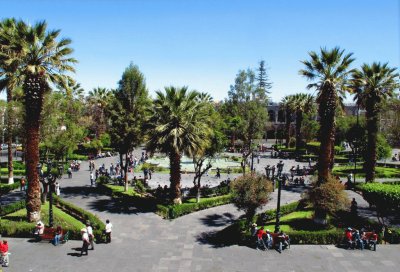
x,y
283,240
260,241
253,230
39,230
357,240
57,236
4,253
268,239
373,240
348,238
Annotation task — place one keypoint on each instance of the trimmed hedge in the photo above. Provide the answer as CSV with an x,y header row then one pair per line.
x,y
174,211
13,207
82,215
383,196
333,236
271,214
6,188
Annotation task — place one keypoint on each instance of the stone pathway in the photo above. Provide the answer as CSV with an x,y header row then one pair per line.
x,y
146,242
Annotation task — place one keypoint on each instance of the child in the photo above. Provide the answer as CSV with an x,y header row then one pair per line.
x,y
108,231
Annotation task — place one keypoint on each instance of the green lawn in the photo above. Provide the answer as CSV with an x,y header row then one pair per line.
x,y
299,220
121,189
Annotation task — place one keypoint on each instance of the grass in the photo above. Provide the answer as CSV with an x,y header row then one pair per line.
x,y
60,218
380,172
299,220
121,189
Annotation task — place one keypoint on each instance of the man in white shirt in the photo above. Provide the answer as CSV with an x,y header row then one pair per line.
x,y
90,234
85,240
108,231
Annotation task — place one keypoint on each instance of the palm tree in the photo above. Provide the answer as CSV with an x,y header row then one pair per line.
x,y
44,63
287,104
329,70
302,103
98,100
10,60
175,127
373,85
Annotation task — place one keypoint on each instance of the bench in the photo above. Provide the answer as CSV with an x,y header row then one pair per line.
x,y
48,235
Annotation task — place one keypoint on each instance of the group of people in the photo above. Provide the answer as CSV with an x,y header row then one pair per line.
x,y
360,239
88,236
264,239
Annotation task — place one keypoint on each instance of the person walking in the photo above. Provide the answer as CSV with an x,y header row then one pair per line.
x,y
108,231
23,182
85,241
90,234
91,178
57,187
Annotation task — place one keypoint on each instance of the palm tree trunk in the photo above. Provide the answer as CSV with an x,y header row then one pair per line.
x,y
126,172
175,174
288,119
33,89
326,110
372,131
10,117
299,120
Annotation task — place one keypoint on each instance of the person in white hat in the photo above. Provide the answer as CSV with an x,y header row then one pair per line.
x,y
85,240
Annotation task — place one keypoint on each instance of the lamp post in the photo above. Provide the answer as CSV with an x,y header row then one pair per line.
x,y
48,180
278,204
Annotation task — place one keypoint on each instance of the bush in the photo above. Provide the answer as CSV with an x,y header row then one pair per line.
x,y
385,197
174,211
77,157
313,147
250,192
329,197
6,188
262,218
333,236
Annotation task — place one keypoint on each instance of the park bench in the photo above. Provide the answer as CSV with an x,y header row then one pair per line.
x,y
48,235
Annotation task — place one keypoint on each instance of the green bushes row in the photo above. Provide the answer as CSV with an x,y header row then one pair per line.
x,y
383,196
174,211
83,216
320,237
314,147
13,207
77,157
262,218
6,188
17,172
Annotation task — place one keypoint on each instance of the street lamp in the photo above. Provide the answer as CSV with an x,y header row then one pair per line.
x,y
278,204
48,180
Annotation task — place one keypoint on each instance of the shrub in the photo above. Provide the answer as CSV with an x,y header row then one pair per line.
x,y
333,236
262,218
385,197
250,192
13,207
6,188
77,157
329,197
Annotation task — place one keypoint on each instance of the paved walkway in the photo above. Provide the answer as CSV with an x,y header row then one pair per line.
x,y
146,242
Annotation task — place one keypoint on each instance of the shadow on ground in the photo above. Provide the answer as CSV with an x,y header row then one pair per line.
x,y
119,207
84,191
218,220
229,236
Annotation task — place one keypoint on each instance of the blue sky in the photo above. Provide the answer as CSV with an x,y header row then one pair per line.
x,y
203,44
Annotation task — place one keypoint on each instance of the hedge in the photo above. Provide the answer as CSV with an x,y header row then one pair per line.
x,y
6,188
383,196
13,207
271,214
174,211
333,236
82,215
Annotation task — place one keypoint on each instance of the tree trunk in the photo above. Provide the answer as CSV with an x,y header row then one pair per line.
x,y
326,110
34,87
175,174
320,217
299,120
10,120
126,172
372,131
288,119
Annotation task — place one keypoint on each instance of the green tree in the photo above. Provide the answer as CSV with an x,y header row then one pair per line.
x,y
329,70
373,84
250,192
263,84
127,113
176,127
98,99
43,63
302,104
287,105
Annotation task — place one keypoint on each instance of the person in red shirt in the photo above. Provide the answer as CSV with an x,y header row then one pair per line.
x,y
4,253
260,241
373,239
349,238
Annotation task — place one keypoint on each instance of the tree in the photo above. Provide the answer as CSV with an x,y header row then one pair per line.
x,y
247,102
44,62
330,71
302,104
98,100
250,192
264,85
127,113
176,127
287,104
10,60
373,84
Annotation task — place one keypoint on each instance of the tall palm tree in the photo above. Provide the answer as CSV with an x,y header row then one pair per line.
x,y
10,60
329,70
373,85
43,64
98,100
287,104
302,103
175,127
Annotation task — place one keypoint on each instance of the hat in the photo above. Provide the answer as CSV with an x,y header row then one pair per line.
x,y
254,225
348,228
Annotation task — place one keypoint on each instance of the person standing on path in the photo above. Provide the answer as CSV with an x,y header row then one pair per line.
x,y
90,234
108,231
91,178
85,241
23,182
